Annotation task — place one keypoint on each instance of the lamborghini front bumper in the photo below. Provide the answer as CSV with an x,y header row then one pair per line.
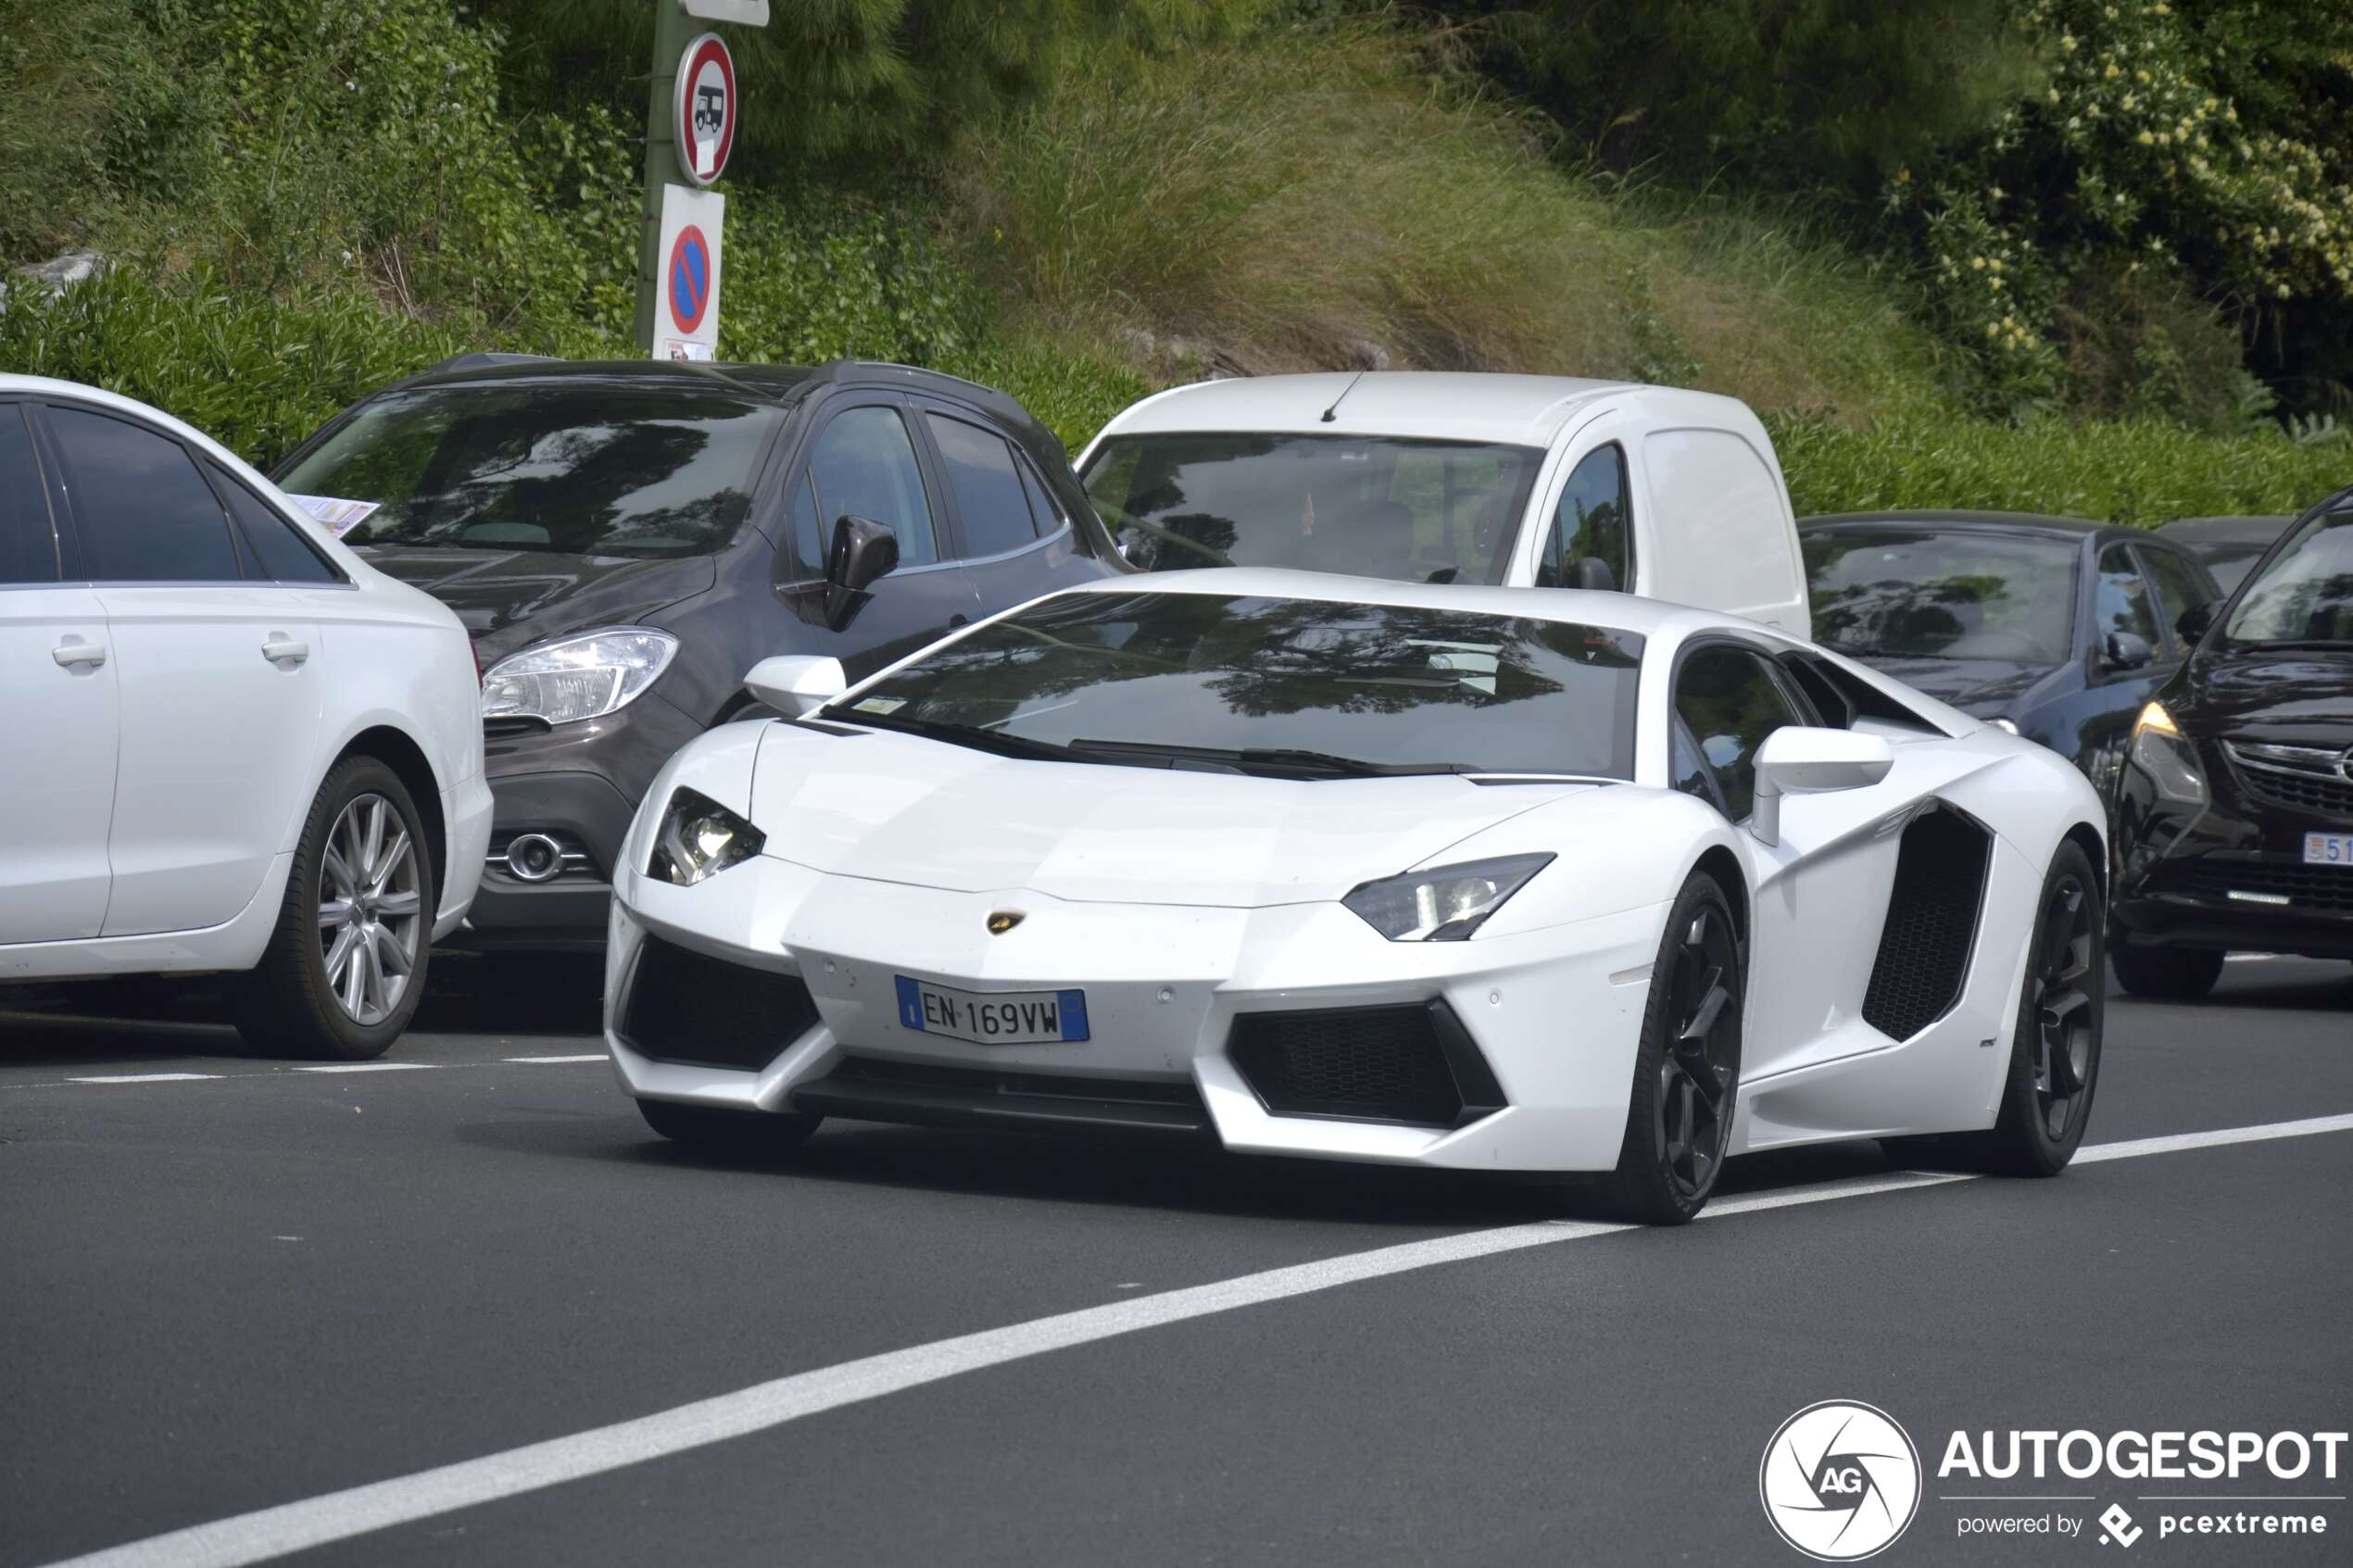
x,y
1292,1029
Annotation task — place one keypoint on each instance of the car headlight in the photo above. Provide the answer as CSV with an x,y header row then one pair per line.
x,y
2160,750
586,676
2006,725
699,838
1445,904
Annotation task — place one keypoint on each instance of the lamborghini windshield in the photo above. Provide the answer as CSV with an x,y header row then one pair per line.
x,y
1410,510
1287,687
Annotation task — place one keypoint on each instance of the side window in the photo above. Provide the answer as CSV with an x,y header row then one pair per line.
x,y
1042,510
28,534
864,466
284,555
1730,700
2121,603
2178,589
1690,769
990,499
1593,520
806,548
142,512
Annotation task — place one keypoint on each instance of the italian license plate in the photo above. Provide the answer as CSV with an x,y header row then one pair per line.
x,y
2329,849
993,1018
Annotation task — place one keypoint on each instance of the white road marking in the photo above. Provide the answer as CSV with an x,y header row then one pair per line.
x,y
369,1067
145,1078
297,1526
588,1056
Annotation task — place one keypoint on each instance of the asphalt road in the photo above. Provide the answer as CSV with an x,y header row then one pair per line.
x,y
228,1284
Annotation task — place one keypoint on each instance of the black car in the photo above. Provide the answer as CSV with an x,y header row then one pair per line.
x,y
2053,628
2233,825
2228,545
626,540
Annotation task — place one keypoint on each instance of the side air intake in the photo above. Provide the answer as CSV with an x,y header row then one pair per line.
x,y
1931,922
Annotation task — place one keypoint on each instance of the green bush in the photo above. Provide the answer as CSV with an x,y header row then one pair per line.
x,y
2141,472
255,373
804,286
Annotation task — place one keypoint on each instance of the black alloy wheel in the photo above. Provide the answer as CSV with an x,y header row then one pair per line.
x,y
2055,1052
2061,978
1687,1072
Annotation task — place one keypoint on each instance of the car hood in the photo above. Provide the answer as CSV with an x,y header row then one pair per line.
x,y
511,599
2292,697
1983,688
902,809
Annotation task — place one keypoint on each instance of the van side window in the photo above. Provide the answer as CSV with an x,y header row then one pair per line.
x,y
1594,519
1731,701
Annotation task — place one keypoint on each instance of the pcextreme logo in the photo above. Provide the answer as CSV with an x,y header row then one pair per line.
x,y
1840,1480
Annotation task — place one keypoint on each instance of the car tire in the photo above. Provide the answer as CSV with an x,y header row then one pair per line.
x,y
1676,1133
717,1130
290,1004
2181,975
2055,1040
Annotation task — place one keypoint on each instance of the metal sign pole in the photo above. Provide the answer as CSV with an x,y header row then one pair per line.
x,y
672,29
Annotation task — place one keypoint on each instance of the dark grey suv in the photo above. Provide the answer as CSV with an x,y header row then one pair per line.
x,y
625,540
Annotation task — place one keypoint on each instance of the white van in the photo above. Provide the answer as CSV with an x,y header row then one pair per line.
x,y
1459,477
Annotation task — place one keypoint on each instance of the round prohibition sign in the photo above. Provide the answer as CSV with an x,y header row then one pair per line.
x,y
689,279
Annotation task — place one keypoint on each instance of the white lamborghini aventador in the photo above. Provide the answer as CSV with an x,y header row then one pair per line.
x,y
1482,878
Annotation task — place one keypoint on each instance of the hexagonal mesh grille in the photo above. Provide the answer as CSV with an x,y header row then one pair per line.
x,y
1381,1063
707,1012
1932,918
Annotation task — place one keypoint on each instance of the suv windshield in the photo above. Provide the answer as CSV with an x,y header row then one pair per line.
x,y
587,468
2306,594
1907,593
1295,687
1416,511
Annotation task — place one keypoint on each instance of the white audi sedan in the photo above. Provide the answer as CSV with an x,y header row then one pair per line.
x,y
1491,879
232,745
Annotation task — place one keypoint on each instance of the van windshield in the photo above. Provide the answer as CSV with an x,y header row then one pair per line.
x,y
1369,505
585,469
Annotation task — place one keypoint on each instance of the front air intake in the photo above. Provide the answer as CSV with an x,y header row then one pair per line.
x,y
1931,922
1411,1063
700,1011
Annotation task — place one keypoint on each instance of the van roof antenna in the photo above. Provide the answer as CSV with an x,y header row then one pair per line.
x,y
1344,390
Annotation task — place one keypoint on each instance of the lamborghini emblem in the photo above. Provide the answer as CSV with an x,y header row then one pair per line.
x,y
1002,921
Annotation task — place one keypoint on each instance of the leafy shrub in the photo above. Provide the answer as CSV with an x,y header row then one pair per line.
x,y
258,374
2143,472
855,283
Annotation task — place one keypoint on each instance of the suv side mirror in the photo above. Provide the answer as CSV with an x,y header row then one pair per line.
x,y
1801,760
797,684
2126,650
2197,621
862,550
1592,573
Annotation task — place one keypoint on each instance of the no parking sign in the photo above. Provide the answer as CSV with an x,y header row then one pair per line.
x,y
687,315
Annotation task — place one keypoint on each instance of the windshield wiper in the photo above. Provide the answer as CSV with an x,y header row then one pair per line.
x,y
1280,761
973,735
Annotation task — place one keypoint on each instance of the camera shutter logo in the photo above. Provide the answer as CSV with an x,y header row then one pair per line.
x,y
1839,1481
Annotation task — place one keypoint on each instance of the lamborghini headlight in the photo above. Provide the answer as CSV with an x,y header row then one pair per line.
x,y
699,838
580,677
1443,904
2160,750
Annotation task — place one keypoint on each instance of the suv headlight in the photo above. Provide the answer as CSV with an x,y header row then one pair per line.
x,y
2160,750
586,676
1443,904
699,838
